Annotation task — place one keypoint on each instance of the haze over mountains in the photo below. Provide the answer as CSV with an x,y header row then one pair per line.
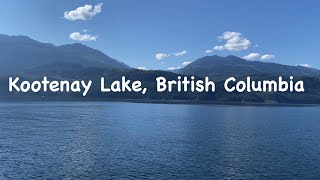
x,y
22,55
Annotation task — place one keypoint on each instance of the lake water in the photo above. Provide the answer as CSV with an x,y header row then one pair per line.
x,y
97,140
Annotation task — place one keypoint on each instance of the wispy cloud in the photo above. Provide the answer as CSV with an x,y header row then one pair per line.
x,y
82,37
233,41
257,56
143,68
209,51
304,65
252,56
173,68
182,53
267,57
186,63
161,56
84,12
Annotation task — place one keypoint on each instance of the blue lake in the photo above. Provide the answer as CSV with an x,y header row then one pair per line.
x,y
100,140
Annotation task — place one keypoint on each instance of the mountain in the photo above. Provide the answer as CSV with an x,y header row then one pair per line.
x,y
31,60
19,53
218,67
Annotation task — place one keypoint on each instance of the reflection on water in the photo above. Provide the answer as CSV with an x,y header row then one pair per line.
x,y
95,140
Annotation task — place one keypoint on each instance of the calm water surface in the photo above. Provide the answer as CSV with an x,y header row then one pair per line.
x,y
96,140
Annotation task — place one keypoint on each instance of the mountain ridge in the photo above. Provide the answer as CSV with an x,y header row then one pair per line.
x,y
26,49
222,67
32,60
19,53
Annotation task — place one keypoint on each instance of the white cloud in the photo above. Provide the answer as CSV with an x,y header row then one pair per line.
x,y
84,12
82,37
173,68
208,51
233,42
161,56
267,57
219,48
252,56
305,65
181,53
186,63
143,68
255,56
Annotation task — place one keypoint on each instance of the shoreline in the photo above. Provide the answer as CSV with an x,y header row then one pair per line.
x,y
152,101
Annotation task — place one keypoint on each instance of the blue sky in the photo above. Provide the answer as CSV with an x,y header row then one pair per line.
x,y
286,32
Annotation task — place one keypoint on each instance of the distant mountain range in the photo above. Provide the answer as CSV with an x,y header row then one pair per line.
x,y
22,55
223,67
19,53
